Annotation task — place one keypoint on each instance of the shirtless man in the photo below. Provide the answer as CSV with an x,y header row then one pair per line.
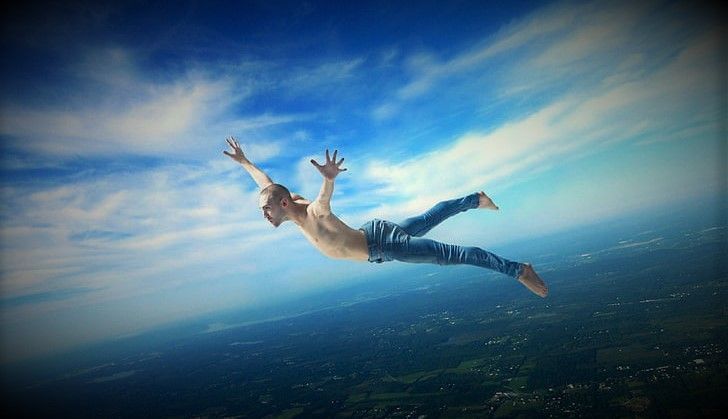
x,y
378,240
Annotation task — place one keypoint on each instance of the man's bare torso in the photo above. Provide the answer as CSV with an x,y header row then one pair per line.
x,y
332,237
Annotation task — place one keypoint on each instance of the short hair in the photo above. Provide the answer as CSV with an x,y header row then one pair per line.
x,y
276,192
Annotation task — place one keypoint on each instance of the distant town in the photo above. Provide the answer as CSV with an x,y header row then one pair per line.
x,y
629,331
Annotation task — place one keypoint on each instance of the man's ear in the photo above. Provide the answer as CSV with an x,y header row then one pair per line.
x,y
284,202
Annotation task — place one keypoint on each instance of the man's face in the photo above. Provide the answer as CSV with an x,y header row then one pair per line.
x,y
272,210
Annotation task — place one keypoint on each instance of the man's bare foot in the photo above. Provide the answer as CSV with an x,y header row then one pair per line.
x,y
486,202
531,280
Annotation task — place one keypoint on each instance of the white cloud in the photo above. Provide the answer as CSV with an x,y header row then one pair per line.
x,y
542,23
561,48
597,32
385,111
654,102
324,75
136,115
106,227
159,122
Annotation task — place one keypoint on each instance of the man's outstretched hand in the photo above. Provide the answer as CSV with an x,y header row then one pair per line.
x,y
331,168
237,154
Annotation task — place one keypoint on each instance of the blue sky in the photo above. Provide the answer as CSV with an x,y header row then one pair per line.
x,y
120,213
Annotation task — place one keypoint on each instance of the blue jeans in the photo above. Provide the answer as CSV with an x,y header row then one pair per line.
x,y
389,241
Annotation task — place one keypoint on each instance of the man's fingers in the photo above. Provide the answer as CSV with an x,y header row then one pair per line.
x,y
330,160
233,142
233,145
227,154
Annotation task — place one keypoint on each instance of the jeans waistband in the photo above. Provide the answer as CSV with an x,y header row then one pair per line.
x,y
372,230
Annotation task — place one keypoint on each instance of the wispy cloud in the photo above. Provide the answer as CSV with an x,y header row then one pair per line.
x,y
322,75
633,99
118,110
116,226
44,296
426,70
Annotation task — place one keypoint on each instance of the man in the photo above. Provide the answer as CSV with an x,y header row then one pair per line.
x,y
378,240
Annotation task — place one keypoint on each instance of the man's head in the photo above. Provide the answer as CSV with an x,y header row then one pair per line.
x,y
275,200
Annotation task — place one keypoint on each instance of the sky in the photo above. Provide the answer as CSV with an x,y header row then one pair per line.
x,y
119,213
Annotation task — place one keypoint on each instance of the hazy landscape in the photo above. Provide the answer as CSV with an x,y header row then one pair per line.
x,y
635,326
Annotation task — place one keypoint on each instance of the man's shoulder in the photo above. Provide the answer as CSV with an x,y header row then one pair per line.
x,y
317,209
299,199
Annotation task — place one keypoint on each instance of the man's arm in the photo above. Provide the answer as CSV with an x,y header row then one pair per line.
x,y
329,170
258,175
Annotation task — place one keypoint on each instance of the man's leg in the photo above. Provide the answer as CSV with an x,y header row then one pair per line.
x,y
419,226
390,242
421,250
